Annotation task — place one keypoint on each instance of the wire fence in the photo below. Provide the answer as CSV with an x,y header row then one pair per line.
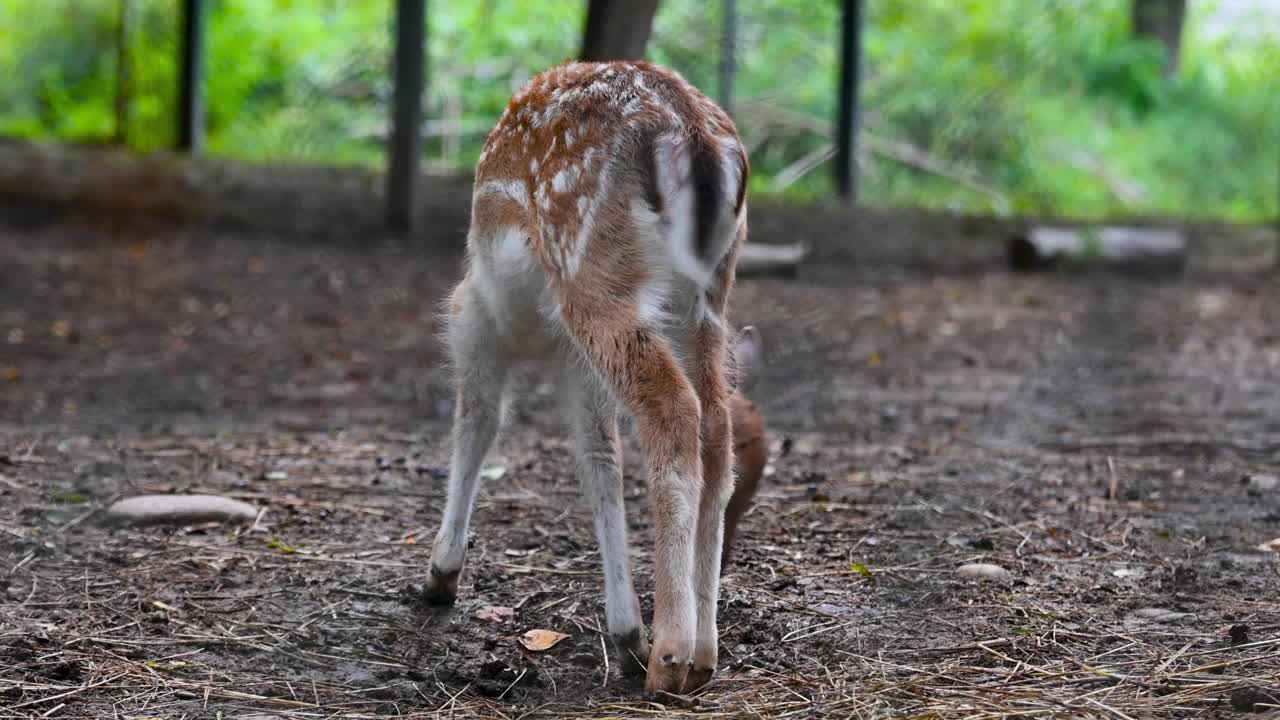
x,y
993,107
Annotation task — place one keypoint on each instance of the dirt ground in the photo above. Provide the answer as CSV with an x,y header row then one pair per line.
x,y
1104,439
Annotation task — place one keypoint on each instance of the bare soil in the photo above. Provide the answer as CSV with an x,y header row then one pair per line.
x,y
1103,438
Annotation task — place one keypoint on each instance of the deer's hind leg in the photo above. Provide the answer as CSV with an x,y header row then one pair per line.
x,y
716,432
480,367
638,365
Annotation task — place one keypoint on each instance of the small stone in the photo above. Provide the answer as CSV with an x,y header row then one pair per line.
x,y
178,510
1157,614
983,571
1260,484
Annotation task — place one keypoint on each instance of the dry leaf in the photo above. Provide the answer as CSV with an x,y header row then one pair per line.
x,y
1271,546
495,614
539,640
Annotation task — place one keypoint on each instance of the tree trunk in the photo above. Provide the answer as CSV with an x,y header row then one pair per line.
x,y
617,29
1162,20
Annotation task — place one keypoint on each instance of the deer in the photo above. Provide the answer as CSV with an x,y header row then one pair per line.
x,y
607,212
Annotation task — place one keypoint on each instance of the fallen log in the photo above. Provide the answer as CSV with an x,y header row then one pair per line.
x,y
143,510
1141,250
761,259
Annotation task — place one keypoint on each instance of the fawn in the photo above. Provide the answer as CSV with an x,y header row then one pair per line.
x,y
608,209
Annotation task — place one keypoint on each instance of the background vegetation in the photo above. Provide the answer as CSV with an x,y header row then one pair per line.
x,y
980,105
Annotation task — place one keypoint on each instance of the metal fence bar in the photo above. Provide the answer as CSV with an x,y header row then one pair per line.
x,y
728,52
403,153
846,168
191,120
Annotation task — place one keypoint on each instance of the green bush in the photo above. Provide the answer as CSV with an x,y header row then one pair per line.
x,y
974,105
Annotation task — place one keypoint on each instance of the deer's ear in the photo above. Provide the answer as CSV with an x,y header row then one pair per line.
x,y
748,354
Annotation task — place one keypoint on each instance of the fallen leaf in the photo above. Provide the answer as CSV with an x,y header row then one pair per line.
x,y
493,472
1271,546
12,373
495,614
540,640
875,360
862,570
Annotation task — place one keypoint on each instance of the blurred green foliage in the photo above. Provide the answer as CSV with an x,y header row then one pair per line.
x,y
975,105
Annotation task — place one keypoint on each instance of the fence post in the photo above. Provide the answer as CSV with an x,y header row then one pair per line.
x,y
403,152
846,167
123,71
191,121
728,52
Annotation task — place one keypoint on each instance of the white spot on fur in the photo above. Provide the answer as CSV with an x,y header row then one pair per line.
x,y
583,202
560,183
533,166
513,189
568,138
589,217
633,107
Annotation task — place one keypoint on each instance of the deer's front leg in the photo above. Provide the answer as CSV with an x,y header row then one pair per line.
x,y
599,459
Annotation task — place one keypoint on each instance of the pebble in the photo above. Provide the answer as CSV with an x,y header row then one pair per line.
x,y
1259,484
1157,614
983,571
177,510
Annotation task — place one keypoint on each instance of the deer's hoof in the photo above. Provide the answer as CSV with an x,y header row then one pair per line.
x,y
667,672
633,652
697,678
441,587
